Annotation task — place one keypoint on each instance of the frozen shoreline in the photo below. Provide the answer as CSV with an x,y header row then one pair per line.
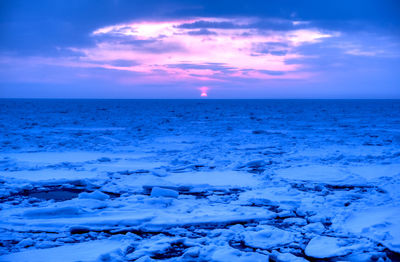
x,y
199,180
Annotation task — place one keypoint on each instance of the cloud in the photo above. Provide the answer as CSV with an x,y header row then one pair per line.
x,y
39,27
165,52
273,48
210,66
273,73
202,31
209,24
188,43
122,63
248,23
234,47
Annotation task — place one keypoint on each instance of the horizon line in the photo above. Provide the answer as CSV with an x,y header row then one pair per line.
x,y
200,99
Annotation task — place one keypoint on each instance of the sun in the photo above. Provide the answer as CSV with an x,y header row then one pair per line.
x,y
204,90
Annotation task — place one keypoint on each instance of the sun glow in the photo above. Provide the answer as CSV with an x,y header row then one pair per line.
x,y
204,90
184,50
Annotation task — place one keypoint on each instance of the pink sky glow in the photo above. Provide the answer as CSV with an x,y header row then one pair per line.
x,y
159,49
182,52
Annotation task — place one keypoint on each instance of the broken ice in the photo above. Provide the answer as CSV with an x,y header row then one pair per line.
x,y
125,180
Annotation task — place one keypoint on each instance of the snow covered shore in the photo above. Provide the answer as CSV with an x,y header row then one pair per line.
x,y
130,180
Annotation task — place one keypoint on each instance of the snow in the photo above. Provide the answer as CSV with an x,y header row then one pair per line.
x,y
314,173
53,212
227,253
379,223
268,237
47,175
163,192
85,252
317,228
94,195
199,180
325,247
214,178
286,257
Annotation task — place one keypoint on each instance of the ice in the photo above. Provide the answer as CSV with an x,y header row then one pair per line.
x,y
374,172
286,257
48,175
320,174
33,159
317,228
53,212
230,254
87,251
214,178
268,237
26,242
94,195
199,180
326,247
164,192
379,223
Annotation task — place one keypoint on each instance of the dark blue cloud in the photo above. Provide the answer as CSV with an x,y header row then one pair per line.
x,y
38,27
123,63
272,73
202,31
261,24
159,47
209,24
156,45
273,48
211,66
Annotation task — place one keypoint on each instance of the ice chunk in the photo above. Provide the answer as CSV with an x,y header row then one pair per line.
x,y
51,175
325,247
226,178
53,212
373,172
286,257
268,237
27,242
164,192
317,228
94,195
295,221
144,259
191,252
157,246
227,253
379,223
320,174
88,251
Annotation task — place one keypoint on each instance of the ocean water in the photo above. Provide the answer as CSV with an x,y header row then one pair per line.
x,y
196,180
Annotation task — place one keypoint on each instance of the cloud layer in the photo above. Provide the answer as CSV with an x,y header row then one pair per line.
x,y
181,48
219,50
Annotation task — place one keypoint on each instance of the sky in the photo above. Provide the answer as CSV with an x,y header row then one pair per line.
x,y
200,49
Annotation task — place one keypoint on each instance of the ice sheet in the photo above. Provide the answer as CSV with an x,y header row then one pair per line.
x,y
199,180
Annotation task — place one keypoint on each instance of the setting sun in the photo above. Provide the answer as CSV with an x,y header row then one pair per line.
x,y
203,90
